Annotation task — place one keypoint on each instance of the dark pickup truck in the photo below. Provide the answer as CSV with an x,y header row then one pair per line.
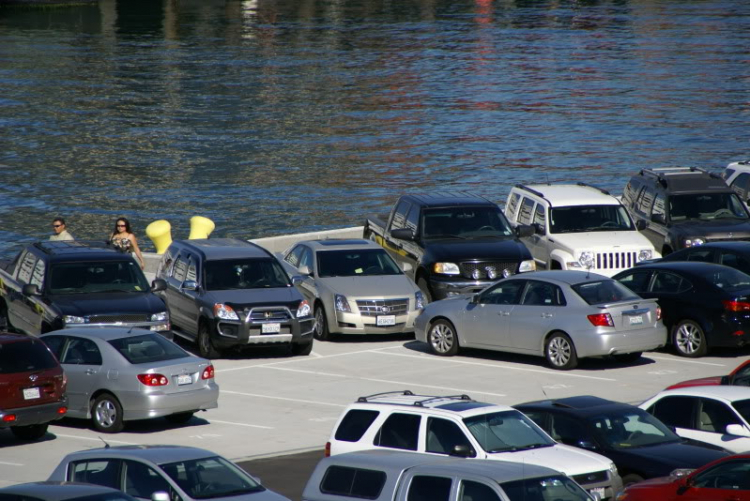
x,y
57,284
451,243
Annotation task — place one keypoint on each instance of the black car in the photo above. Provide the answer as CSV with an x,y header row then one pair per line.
x,y
639,444
733,254
229,293
683,207
703,305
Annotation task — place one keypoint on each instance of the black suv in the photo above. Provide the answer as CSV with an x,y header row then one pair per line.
x,y
57,284
226,292
679,207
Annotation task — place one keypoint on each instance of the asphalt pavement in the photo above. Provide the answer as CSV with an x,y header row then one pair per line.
x,y
285,474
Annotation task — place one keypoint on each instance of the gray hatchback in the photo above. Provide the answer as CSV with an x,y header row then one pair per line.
x,y
117,374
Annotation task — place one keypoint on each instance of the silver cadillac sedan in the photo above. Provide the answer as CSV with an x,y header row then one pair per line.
x,y
559,315
355,287
118,374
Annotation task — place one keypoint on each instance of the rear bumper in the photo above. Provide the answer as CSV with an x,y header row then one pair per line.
x,y
730,331
137,405
617,343
37,414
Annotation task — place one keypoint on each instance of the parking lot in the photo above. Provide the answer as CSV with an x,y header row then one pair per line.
x,y
273,404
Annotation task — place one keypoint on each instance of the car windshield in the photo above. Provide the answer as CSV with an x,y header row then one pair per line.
x,y
148,348
245,274
556,488
464,223
743,408
605,292
726,278
706,206
629,429
212,477
92,277
356,263
582,218
507,431
25,356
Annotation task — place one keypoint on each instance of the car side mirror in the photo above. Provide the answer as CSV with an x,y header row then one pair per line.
x,y
737,430
158,285
539,229
658,218
298,279
524,230
595,496
683,484
585,444
30,290
406,267
304,270
403,234
160,496
641,225
463,451
189,285
475,299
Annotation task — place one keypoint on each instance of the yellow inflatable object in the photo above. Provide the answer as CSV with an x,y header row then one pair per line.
x,y
200,227
160,232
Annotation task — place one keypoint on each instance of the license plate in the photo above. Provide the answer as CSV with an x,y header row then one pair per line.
x,y
273,328
184,379
636,320
597,490
386,320
30,393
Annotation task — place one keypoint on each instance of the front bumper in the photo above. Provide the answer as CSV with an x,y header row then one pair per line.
x,y
232,333
37,414
607,341
443,288
607,489
356,323
141,405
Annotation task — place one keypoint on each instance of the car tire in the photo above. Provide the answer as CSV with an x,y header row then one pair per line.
x,y
442,338
689,339
425,288
302,349
321,331
106,413
631,479
30,432
180,417
205,344
560,352
628,358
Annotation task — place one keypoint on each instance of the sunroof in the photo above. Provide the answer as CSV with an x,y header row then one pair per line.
x,y
353,241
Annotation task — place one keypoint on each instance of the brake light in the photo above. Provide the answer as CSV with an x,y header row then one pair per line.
x,y
601,320
62,410
658,313
735,305
328,449
208,372
9,418
153,379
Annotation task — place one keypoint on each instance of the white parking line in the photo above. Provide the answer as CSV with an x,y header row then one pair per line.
x,y
295,400
6,463
242,424
302,359
685,361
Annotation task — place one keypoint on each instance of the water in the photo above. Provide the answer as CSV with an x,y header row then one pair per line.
x,y
280,116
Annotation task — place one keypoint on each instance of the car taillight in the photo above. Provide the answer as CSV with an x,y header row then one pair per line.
x,y
328,449
658,313
601,320
208,372
735,305
9,418
153,379
62,410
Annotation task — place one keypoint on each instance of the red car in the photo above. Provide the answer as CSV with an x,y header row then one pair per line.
x,y
738,377
726,479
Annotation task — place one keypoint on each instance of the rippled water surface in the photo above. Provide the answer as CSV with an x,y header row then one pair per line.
x,y
277,116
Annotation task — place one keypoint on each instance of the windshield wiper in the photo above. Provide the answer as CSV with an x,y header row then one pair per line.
x,y
447,236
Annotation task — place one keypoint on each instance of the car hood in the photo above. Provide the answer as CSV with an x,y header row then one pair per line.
x,y
289,296
390,286
609,240
80,305
267,495
482,249
718,228
564,458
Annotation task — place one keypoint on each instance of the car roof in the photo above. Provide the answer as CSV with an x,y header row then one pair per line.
x,y
157,454
688,267
676,180
79,250
449,404
447,199
573,194
334,244
727,393
735,245
52,490
569,277
223,248
12,337
104,333
583,405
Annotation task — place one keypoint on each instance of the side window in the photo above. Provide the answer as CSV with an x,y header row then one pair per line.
x,y
180,270
669,283
476,491
352,482
675,411
412,220
644,201
735,261
37,276
293,257
399,217
306,258
729,475
629,194
506,292
636,281
511,206
81,352
26,268
191,273
542,294
659,210
429,488
104,472
141,481
540,217
55,344
715,416
355,424
400,431
740,186
526,212
568,430
443,436
701,255
165,266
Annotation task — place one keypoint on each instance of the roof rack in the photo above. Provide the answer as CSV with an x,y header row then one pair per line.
x,y
530,190
662,173
409,393
587,185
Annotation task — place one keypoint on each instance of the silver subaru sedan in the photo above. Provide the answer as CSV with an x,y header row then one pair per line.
x,y
119,374
560,315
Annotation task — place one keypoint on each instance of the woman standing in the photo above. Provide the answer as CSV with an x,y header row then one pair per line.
x,y
124,240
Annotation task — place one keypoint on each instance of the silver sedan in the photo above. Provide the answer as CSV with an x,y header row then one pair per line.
x,y
560,315
119,374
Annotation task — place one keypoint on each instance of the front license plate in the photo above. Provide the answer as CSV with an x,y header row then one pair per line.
x,y
597,490
386,320
30,393
273,328
636,320
184,379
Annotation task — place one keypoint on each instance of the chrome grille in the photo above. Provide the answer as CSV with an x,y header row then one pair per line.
x,y
375,307
123,318
270,315
615,260
594,477
481,271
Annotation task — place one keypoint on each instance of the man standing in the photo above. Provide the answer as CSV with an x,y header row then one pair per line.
x,y
58,225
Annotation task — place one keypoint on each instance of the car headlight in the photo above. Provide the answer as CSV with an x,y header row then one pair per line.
x,y
341,303
418,300
303,310
70,319
446,268
573,264
645,254
225,312
160,317
613,468
692,242
528,265
587,259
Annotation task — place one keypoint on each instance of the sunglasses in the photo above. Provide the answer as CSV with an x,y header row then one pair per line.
x,y
56,225
122,226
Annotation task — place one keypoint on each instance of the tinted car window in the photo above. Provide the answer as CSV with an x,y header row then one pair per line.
x,y
26,267
701,255
464,222
429,488
142,481
225,478
476,491
512,205
743,407
730,475
147,348
735,261
400,431
558,488
675,411
542,294
244,274
55,344
726,278
356,263
525,214
25,356
92,277
352,482
715,416
605,291
355,424
584,218
104,472
81,352
669,283
636,281
444,435
506,292
568,430
706,207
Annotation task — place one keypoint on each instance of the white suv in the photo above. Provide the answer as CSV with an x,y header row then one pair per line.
x,y
578,227
737,176
460,426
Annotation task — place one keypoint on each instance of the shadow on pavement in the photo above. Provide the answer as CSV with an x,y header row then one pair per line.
x,y
286,475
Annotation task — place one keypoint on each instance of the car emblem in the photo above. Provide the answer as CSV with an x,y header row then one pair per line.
x,y
491,272
475,274
730,234
33,377
635,306
506,273
268,314
385,309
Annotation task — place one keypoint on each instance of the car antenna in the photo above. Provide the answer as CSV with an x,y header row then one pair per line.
x,y
106,445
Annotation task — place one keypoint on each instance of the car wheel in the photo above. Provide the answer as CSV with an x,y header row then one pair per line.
x,y
180,417
107,414
321,324
302,349
688,339
442,338
631,479
425,288
30,432
205,345
628,358
560,352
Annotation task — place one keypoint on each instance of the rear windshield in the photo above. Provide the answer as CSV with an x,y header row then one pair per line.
x,y
605,291
233,274
148,348
92,277
726,278
25,356
356,263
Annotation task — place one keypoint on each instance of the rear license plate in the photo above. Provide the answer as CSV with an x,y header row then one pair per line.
x,y
384,320
184,379
31,393
597,490
273,328
636,320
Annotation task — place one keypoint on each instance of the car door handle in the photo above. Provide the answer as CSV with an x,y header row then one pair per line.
x,y
504,313
90,372
546,315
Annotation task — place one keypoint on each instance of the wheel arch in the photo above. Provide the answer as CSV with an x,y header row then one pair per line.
x,y
97,394
432,322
